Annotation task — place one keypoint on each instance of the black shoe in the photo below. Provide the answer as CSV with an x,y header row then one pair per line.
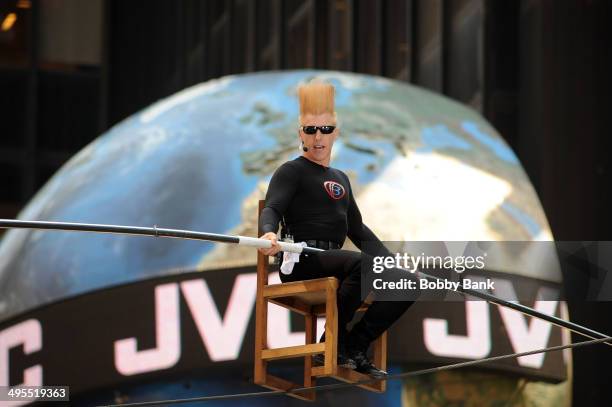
x,y
365,366
343,359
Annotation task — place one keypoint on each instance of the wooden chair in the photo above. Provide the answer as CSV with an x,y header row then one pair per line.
x,y
311,298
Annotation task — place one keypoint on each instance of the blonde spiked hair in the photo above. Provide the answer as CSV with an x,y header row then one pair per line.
x,y
316,97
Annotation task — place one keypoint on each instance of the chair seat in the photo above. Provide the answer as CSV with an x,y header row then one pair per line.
x,y
300,296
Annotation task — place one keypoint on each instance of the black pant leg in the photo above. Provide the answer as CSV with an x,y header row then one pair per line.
x,y
380,315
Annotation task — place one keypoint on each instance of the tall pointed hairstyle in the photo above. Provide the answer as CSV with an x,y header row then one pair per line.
x,y
316,97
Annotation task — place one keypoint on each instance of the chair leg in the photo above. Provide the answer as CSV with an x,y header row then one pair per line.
x,y
311,333
380,359
261,317
331,332
261,323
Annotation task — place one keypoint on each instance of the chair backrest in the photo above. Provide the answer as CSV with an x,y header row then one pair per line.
x,y
262,260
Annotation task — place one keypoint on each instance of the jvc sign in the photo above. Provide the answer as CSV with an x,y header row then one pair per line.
x,y
198,320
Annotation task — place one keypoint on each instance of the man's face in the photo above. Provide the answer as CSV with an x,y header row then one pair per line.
x,y
319,144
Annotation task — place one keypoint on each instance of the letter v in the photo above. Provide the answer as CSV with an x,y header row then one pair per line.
x,y
222,337
527,336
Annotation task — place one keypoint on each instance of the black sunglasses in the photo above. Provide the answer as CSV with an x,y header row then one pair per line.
x,y
313,129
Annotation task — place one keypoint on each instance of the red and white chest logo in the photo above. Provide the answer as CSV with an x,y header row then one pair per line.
x,y
334,189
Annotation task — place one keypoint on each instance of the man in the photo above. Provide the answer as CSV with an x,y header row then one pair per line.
x,y
317,205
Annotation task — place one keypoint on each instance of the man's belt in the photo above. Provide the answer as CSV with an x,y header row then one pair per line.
x,y
323,244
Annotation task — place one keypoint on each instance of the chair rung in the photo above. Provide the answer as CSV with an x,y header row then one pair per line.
x,y
351,376
293,351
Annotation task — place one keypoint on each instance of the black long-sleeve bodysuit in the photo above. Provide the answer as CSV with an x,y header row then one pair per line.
x,y
318,204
